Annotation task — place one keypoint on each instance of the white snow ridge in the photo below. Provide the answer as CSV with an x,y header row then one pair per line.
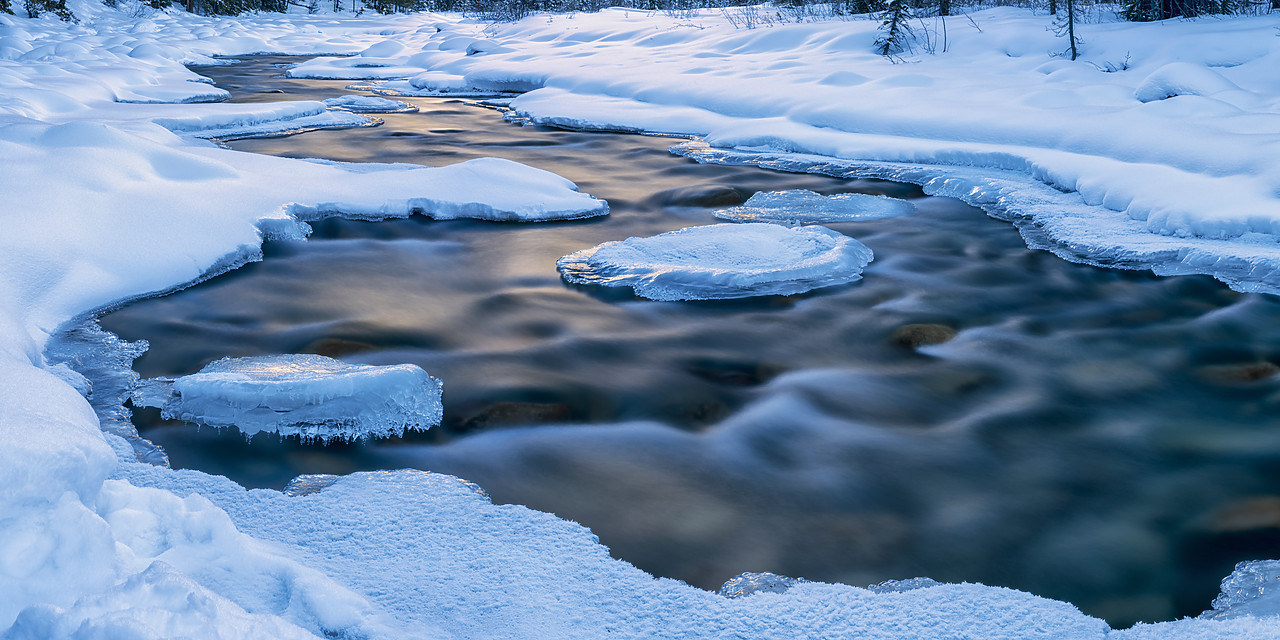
x,y
722,261
307,395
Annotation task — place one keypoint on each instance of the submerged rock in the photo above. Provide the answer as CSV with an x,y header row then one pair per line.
x,y
920,335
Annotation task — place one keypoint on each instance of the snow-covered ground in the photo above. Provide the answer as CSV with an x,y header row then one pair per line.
x,y
111,193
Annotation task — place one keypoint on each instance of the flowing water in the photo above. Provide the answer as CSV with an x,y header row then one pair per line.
x,y
1101,436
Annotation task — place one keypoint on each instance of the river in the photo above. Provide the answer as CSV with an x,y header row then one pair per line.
x,y
971,410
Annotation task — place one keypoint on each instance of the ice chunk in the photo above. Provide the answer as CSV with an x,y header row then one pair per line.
x,y
722,261
368,104
1253,589
801,206
307,395
308,484
745,584
900,586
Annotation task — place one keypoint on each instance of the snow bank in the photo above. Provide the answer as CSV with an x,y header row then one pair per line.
x,y
307,395
105,201
110,196
721,261
473,569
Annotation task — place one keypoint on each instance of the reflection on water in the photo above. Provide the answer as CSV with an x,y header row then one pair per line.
x,y
971,410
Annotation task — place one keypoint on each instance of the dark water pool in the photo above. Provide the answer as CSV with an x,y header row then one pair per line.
x,y
971,410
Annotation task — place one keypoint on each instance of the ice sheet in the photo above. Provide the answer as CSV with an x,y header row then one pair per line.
x,y
800,206
722,261
311,396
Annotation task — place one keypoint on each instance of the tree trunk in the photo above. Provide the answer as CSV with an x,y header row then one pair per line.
x,y
1071,28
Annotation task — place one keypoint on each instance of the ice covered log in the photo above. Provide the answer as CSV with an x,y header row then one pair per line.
x,y
801,206
307,395
722,261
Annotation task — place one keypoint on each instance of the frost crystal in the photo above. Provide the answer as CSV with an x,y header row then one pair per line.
x,y
306,485
899,586
1252,589
745,584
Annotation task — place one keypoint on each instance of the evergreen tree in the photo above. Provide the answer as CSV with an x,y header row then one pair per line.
x,y
895,36
396,6
856,7
1149,10
4,6
57,7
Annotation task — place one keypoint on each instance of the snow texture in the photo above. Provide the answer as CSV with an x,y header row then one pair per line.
x,y
112,194
801,206
305,395
721,261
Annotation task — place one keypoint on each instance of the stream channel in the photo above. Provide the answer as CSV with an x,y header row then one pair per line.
x,y
1101,436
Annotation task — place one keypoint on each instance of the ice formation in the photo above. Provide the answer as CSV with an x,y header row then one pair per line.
x,y
368,104
1253,589
745,584
307,395
722,261
801,206
900,586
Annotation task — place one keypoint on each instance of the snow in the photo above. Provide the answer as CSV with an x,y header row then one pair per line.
x,y
469,569
800,206
307,395
111,193
1188,79
721,261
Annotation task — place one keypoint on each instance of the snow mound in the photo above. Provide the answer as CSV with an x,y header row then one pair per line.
x,y
368,104
155,604
722,261
801,206
1182,79
1253,589
307,395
